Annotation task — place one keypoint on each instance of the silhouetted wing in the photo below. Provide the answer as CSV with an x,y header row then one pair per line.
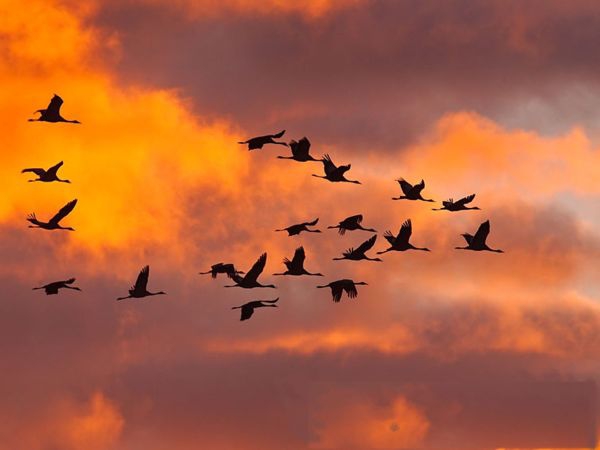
x,y
468,237
39,172
142,280
405,186
417,188
405,231
336,291
299,257
300,148
278,135
448,203
64,211
390,237
463,201
350,289
328,165
55,168
247,311
482,233
314,222
367,245
257,268
340,171
69,281
354,219
54,105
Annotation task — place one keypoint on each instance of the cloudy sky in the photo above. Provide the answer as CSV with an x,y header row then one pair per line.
x,y
446,349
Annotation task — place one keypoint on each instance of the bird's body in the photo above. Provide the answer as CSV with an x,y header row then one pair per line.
x,y
359,253
339,286
458,205
52,112
400,242
139,289
296,265
293,230
48,175
477,242
52,288
334,173
258,142
300,151
248,308
411,192
218,268
250,280
350,224
53,223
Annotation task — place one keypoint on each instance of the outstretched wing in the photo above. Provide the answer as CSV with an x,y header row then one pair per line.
x,y
390,237
336,290
247,311
69,281
314,222
54,105
417,188
142,280
64,211
367,245
405,186
468,237
257,268
55,168
405,231
328,164
278,135
350,289
482,233
300,148
299,257
38,171
354,219
340,171
463,201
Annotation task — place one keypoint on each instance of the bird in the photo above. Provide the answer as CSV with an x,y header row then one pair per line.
x,y
249,281
52,288
227,268
293,230
138,290
258,142
411,192
296,265
359,253
53,224
400,242
300,151
458,205
477,242
46,175
334,173
248,308
350,224
337,287
52,112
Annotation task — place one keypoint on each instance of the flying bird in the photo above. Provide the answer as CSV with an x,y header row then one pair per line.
x,y
337,287
259,141
300,151
46,176
139,290
411,192
52,288
359,253
227,268
334,173
458,205
52,112
296,265
248,308
249,281
53,224
477,242
293,230
400,242
350,224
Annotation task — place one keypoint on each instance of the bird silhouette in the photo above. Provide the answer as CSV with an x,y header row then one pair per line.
x,y
296,265
477,242
337,288
248,308
359,253
52,288
293,230
53,224
139,289
227,268
300,151
46,176
400,242
350,224
249,281
52,112
411,192
334,173
258,142
458,205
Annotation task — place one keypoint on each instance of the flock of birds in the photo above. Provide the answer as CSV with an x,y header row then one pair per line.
x,y
300,151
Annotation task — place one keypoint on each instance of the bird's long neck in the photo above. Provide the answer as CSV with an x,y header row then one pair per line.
x,y
371,259
285,157
62,181
385,251
399,198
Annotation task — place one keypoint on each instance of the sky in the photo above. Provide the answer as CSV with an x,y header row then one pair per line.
x,y
443,349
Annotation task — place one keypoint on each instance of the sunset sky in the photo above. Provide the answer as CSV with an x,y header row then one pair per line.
x,y
446,349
